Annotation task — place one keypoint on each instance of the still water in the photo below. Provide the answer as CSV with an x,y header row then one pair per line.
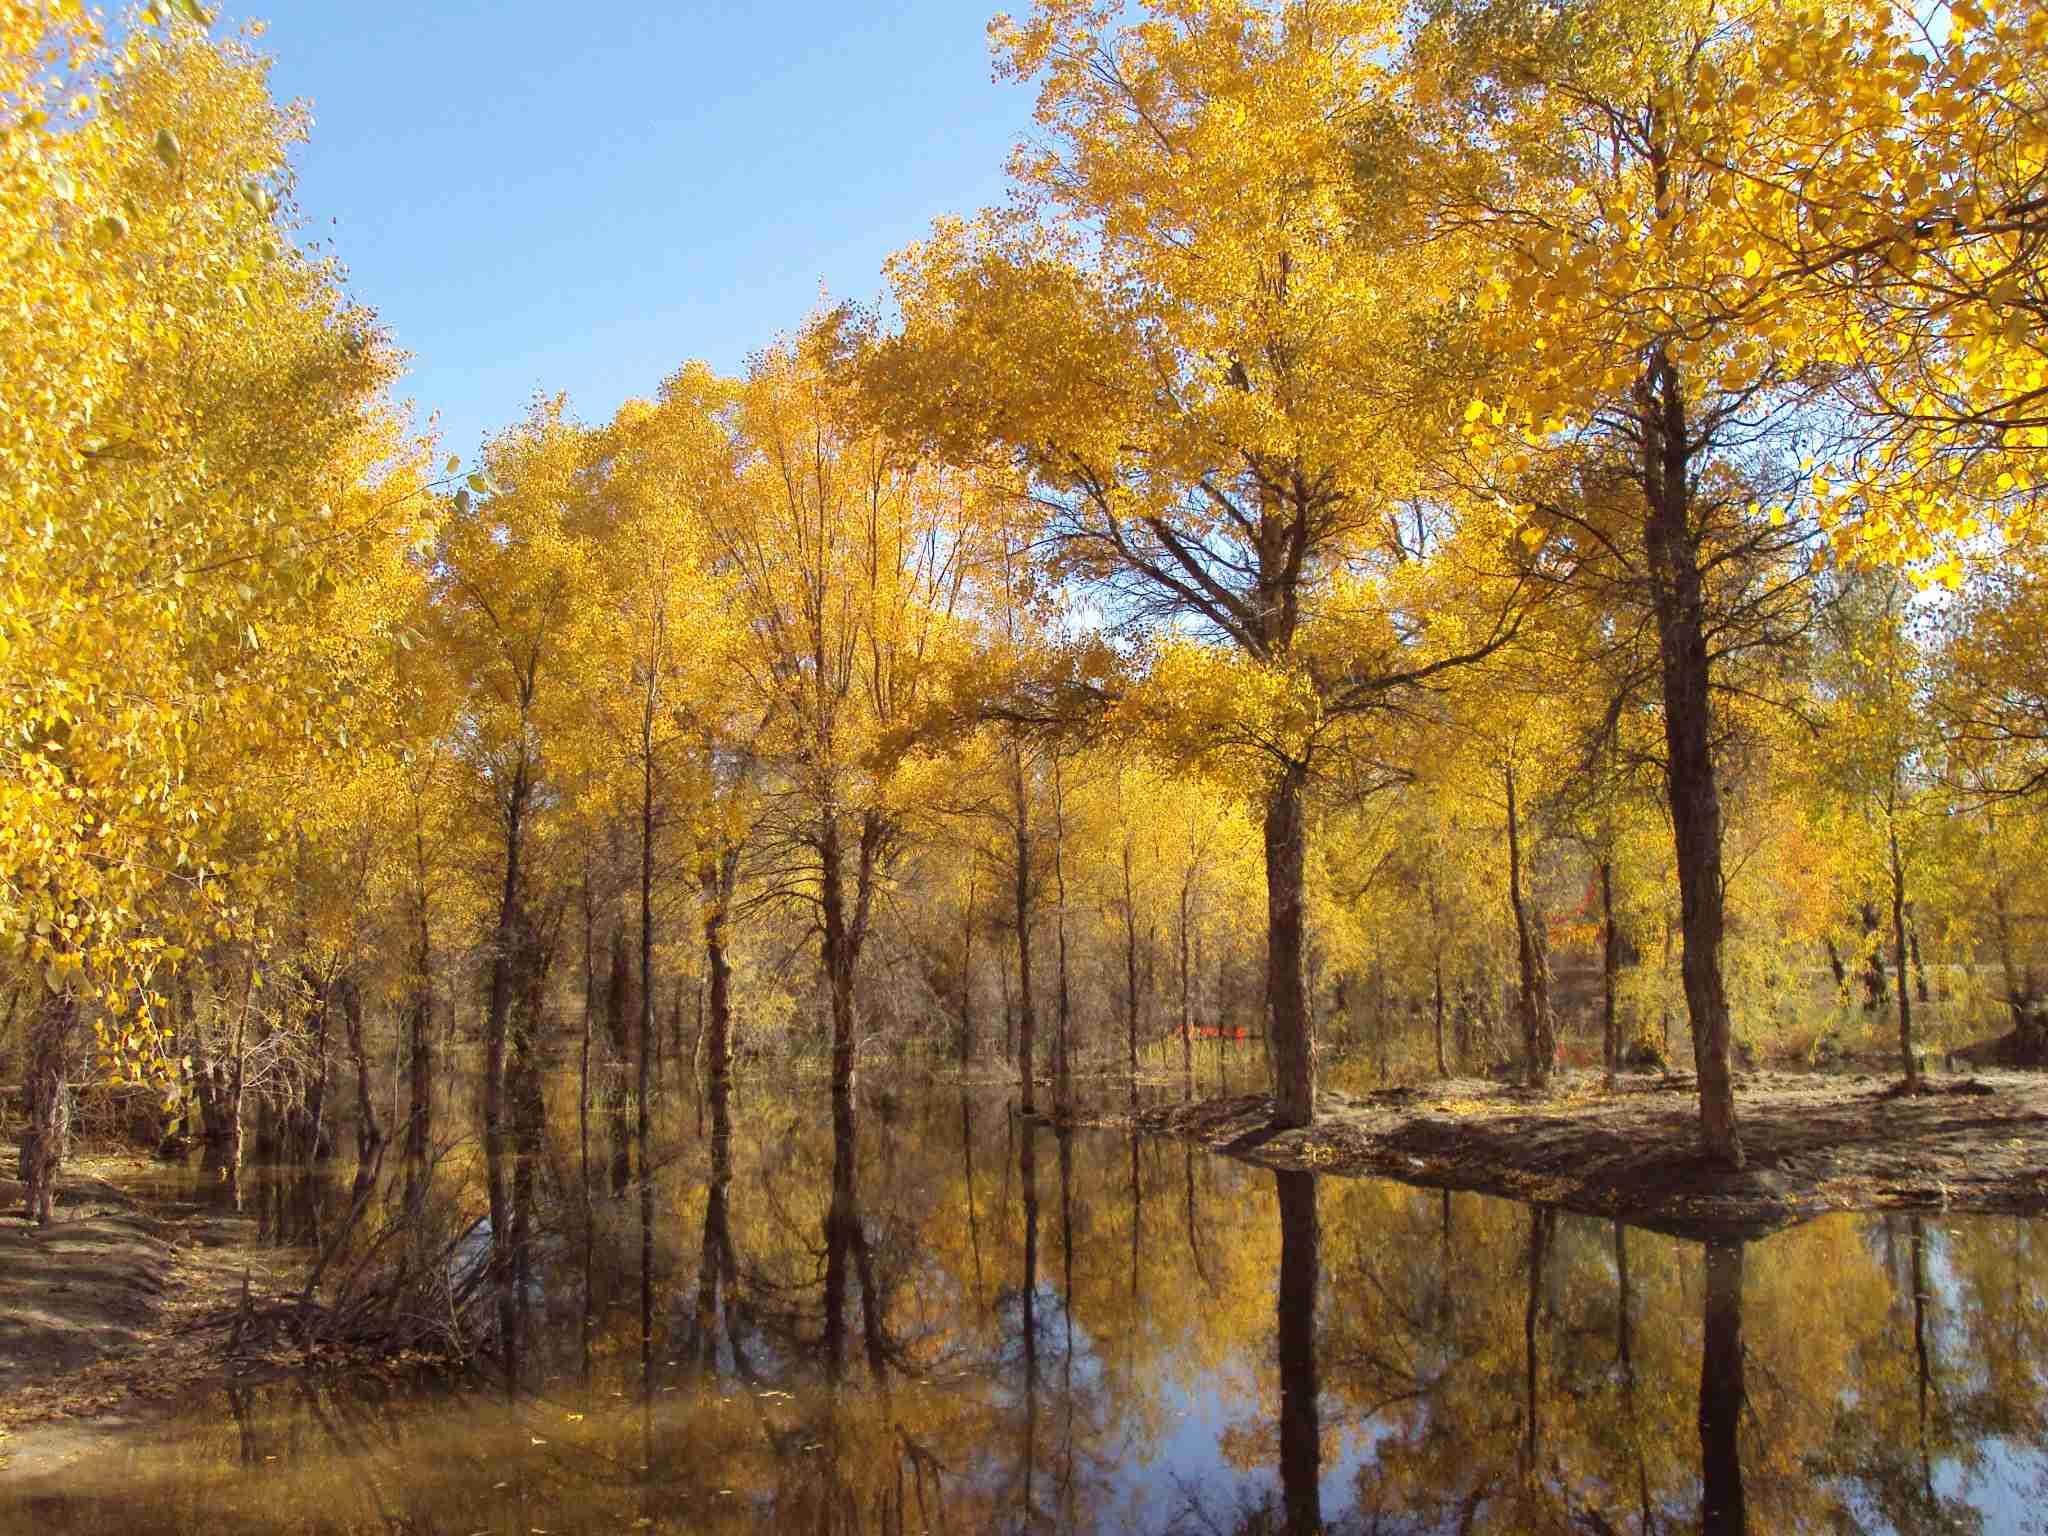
x,y
920,1315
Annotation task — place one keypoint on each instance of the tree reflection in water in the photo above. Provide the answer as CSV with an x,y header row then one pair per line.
x,y
1722,1511
1301,1440
861,1325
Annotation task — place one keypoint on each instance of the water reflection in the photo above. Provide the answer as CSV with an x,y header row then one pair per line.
x,y
1301,1436
921,1313
1722,1511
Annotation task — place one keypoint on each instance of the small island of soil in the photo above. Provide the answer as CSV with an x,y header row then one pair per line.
x,y
1631,1151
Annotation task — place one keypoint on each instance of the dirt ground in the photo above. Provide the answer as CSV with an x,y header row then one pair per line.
x,y
94,1311
1632,1152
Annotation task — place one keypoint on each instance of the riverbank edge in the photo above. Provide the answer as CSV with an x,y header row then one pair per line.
x,y
101,1307
1630,1150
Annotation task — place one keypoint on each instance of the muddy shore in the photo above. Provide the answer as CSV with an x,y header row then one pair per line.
x,y
1631,1152
96,1310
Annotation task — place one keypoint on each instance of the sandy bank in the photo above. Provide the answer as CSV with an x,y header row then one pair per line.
x,y
1631,1152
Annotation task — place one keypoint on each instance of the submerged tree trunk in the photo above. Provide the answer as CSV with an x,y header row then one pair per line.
x,y
717,1265
307,1124
507,941
419,1125
647,1038
1678,591
369,1134
845,927
1292,1041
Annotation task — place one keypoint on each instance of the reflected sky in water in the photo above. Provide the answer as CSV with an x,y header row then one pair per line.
x,y
911,1314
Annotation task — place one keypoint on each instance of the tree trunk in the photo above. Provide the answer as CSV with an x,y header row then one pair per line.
x,y
1679,596
420,1121
1292,1041
1003,997
1876,981
238,1080
1187,1032
312,1126
53,1042
2019,987
618,1028
505,945
647,1040
583,1045
1063,1031
369,1135
1027,1028
967,976
1610,971
1437,1002
838,974
1130,967
717,1033
1532,1001
1909,1059
208,1083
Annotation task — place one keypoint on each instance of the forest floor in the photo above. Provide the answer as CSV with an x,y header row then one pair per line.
x,y
1632,1152
96,1311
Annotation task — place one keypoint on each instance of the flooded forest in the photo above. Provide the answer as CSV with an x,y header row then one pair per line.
x,y
1338,824
934,1315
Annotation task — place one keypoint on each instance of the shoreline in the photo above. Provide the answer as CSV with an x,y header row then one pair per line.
x,y
96,1331
1631,1152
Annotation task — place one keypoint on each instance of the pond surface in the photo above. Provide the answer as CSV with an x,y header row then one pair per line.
x,y
921,1315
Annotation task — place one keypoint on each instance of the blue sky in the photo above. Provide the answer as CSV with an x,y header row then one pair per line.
x,y
582,196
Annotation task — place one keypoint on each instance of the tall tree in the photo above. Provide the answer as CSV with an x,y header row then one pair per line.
x,y
511,579
197,465
848,558
1200,336
1571,146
